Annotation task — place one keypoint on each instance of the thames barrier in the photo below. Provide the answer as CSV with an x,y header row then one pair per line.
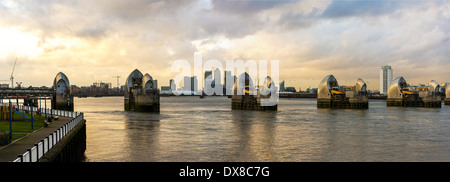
x,y
141,93
247,97
330,95
60,134
403,95
63,99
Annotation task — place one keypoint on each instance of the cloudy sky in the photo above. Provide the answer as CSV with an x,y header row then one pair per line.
x,y
98,40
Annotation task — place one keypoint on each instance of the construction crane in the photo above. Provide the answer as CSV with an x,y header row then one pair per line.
x,y
12,77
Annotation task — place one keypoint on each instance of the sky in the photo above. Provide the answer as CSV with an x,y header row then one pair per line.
x,y
98,40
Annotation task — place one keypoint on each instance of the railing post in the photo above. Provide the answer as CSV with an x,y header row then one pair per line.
x,y
21,157
29,154
45,103
37,151
48,143
31,112
51,110
55,135
53,139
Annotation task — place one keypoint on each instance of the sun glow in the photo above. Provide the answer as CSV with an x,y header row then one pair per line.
x,y
123,52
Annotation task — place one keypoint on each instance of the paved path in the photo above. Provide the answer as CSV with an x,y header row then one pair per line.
x,y
11,151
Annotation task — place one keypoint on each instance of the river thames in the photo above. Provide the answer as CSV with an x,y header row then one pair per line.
x,y
190,129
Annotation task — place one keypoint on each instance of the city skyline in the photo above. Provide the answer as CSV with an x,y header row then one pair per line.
x,y
193,83
97,41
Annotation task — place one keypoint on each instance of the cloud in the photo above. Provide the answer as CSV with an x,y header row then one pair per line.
x,y
346,8
245,7
310,38
94,31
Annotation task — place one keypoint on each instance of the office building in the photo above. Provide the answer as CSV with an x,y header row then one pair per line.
x,y
385,78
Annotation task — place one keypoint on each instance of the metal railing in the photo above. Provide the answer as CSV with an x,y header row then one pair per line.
x,y
49,111
39,149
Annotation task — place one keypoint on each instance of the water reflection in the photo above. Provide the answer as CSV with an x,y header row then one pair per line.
x,y
142,135
193,129
253,135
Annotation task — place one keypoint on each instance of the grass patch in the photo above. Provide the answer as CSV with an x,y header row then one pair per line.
x,y
17,136
21,125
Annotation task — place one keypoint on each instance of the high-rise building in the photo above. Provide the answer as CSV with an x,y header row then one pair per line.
x,y
282,89
190,83
208,73
385,78
217,77
208,79
227,85
173,86
187,83
194,84
227,74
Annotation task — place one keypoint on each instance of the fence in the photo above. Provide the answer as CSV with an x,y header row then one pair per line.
x,y
39,149
45,110
49,111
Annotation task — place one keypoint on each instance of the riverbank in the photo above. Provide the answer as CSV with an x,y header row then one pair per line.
x,y
11,151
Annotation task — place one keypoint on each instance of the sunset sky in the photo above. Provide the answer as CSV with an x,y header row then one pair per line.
x,y
97,40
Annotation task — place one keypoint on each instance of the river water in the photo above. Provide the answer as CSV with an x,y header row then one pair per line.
x,y
190,129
